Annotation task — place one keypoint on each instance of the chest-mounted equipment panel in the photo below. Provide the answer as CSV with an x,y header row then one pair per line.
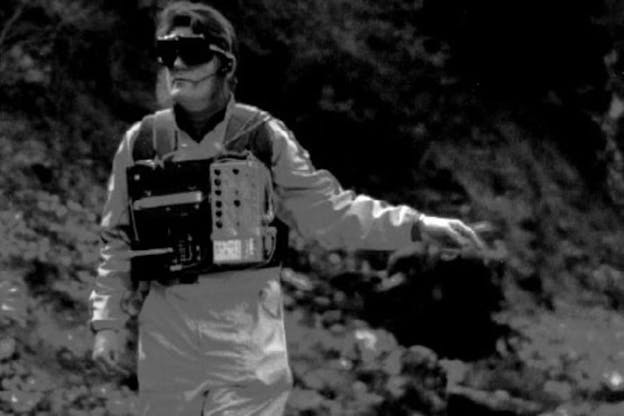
x,y
200,216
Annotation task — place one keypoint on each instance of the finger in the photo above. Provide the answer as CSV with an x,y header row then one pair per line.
x,y
102,366
468,234
456,237
108,363
450,254
482,227
115,363
113,367
474,237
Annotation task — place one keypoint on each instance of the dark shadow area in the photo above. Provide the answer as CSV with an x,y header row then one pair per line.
x,y
443,304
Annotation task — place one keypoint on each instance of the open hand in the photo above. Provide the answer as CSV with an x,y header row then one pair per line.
x,y
449,232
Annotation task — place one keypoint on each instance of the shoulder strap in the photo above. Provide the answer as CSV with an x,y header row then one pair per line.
x,y
244,119
247,130
156,136
163,134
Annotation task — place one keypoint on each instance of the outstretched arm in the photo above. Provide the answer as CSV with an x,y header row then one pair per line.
x,y
313,202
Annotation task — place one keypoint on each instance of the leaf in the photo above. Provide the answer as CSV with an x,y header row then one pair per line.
x,y
305,399
13,300
7,348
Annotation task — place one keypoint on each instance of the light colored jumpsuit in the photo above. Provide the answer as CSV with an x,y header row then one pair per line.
x,y
218,346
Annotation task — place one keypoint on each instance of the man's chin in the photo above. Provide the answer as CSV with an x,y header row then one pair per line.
x,y
181,95
188,101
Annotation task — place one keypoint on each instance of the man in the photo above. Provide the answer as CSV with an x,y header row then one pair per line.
x,y
216,345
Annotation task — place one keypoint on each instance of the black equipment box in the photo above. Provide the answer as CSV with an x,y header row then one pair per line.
x,y
198,216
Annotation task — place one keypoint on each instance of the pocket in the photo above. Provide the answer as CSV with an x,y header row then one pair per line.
x,y
270,298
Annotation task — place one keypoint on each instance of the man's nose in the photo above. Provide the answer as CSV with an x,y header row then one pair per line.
x,y
179,63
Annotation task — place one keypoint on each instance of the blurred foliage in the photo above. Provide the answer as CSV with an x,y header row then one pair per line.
x,y
507,112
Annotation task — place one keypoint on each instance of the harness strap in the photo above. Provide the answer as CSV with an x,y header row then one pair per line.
x,y
163,133
244,120
157,136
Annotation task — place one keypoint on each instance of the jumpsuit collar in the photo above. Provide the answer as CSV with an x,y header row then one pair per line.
x,y
197,124
210,143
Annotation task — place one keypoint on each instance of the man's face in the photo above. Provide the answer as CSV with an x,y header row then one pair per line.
x,y
196,87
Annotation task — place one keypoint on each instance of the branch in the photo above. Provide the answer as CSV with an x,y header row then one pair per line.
x,y
8,25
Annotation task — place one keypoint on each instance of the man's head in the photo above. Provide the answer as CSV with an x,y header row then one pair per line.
x,y
198,47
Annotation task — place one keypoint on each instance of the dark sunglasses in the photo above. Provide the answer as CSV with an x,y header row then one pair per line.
x,y
192,50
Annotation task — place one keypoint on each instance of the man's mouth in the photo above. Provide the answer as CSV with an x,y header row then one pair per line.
x,y
179,79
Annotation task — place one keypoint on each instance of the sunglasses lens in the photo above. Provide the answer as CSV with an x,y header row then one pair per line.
x,y
192,51
166,51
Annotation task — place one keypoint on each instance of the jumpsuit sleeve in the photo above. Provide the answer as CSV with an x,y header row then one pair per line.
x,y
113,283
313,202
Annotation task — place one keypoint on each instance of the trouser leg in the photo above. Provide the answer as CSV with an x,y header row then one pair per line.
x,y
158,403
217,346
169,369
218,401
250,400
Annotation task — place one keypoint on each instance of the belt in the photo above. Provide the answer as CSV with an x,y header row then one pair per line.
x,y
189,278
182,279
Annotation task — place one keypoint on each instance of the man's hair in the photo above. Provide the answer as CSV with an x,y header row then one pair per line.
x,y
201,19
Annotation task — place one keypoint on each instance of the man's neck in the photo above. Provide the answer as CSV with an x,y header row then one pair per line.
x,y
198,123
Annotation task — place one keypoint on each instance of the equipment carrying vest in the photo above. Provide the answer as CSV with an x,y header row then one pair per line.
x,y
201,216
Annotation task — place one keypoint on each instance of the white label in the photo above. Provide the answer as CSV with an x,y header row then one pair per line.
x,y
169,199
227,251
251,248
